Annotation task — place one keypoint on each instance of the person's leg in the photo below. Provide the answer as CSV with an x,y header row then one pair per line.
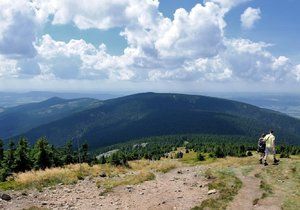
x,y
266,156
262,155
274,157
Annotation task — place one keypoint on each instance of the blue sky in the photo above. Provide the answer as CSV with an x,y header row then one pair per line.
x,y
167,45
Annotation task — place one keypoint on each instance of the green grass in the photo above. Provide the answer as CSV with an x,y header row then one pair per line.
x,y
131,179
282,182
246,170
267,189
191,159
11,185
227,185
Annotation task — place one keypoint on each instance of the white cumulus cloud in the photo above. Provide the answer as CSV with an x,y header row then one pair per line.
x,y
189,47
250,17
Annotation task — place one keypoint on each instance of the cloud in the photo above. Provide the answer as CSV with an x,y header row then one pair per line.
x,y
296,72
250,17
194,34
8,68
17,29
191,47
103,14
227,4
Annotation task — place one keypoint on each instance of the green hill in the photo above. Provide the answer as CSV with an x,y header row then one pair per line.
x,y
153,114
20,119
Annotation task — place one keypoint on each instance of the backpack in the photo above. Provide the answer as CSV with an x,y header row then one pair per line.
x,y
261,145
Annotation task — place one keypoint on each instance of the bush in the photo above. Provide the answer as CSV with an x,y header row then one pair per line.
x,y
284,155
249,153
3,174
118,159
179,155
200,157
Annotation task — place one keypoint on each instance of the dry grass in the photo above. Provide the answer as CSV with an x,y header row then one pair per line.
x,y
163,165
70,174
66,175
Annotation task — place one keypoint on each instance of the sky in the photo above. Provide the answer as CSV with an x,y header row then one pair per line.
x,y
150,45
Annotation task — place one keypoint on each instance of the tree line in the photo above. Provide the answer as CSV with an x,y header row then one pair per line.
x,y
20,156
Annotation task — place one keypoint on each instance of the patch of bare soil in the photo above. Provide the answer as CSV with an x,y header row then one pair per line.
x,y
250,195
181,188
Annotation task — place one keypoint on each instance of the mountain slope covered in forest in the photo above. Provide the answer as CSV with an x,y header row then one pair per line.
x,y
20,119
155,114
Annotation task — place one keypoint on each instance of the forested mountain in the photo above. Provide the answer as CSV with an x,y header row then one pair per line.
x,y
11,99
153,114
20,119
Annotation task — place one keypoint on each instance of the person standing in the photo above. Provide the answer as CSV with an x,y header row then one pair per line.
x,y
270,148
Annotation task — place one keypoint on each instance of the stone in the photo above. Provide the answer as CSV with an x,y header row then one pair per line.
x,y
179,172
214,191
5,197
102,174
24,193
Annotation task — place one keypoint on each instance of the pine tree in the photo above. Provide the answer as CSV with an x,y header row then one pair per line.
x,y
219,153
102,160
42,156
68,153
85,152
9,157
22,160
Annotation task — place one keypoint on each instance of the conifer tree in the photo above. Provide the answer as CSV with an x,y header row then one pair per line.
x,y
68,153
85,152
22,160
9,157
42,154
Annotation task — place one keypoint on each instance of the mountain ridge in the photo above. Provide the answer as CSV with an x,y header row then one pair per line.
x,y
22,118
152,114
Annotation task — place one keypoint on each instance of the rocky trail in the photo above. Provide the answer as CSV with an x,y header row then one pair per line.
x,y
181,188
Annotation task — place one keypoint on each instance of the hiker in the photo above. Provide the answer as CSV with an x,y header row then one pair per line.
x,y
261,147
270,148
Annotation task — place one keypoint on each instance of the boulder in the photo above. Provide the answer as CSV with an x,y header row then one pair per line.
x,y
214,191
5,197
102,174
179,172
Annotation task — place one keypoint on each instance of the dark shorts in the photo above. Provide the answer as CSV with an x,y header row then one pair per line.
x,y
261,149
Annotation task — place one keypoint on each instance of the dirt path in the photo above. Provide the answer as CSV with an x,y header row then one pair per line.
x,y
181,188
250,191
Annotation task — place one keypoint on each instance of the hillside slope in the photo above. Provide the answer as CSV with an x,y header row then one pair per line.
x,y
152,114
20,119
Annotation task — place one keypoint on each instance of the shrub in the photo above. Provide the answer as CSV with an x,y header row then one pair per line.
x,y
200,157
249,153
